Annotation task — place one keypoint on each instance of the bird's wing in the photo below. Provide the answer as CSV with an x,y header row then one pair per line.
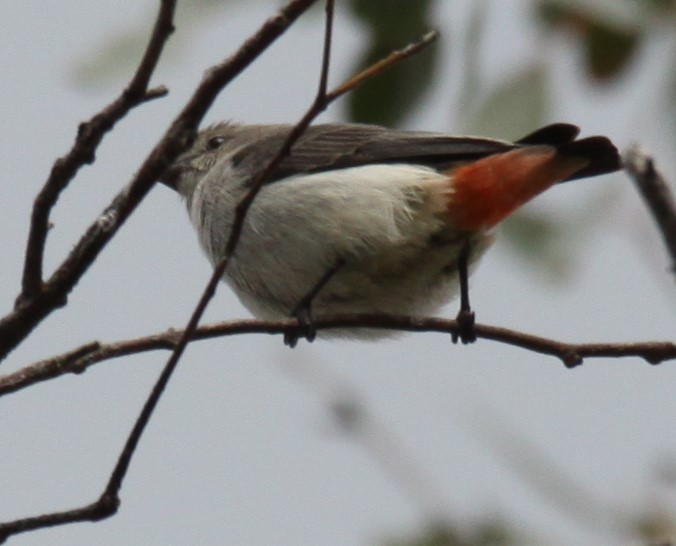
x,y
336,146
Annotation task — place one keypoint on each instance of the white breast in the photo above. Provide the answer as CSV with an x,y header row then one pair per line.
x,y
385,221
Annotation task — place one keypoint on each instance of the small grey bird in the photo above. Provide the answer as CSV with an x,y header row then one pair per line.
x,y
365,219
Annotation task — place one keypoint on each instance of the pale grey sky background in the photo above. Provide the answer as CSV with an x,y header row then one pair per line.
x,y
242,449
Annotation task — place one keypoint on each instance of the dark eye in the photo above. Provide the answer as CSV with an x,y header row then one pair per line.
x,y
215,142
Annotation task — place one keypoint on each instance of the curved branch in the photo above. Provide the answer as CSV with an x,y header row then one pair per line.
x,y
571,354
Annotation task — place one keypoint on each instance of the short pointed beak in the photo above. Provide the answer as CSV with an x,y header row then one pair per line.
x,y
172,175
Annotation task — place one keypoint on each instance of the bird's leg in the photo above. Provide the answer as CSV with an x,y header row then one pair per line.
x,y
465,316
303,310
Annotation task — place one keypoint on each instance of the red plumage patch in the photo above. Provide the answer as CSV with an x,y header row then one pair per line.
x,y
488,190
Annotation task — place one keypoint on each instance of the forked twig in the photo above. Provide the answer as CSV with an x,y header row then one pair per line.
x,y
28,313
89,136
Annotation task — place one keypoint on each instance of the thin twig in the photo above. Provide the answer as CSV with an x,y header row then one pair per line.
x,y
571,354
657,195
322,100
15,326
175,140
384,64
89,136
124,460
319,104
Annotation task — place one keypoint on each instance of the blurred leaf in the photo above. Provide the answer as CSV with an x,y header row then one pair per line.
x,y
387,98
554,245
612,12
488,533
432,537
393,19
666,7
107,65
494,533
656,527
515,107
671,92
540,242
609,49
392,24
609,43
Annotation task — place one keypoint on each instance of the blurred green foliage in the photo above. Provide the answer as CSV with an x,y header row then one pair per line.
x,y
391,24
481,533
512,109
608,44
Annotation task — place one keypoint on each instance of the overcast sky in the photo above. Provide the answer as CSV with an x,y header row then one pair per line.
x,y
242,449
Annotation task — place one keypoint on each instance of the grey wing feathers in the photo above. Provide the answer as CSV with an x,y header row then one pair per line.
x,y
336,146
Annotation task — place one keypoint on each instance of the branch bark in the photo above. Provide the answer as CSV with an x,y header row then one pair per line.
x,y
571,355
656,194
29,312
89,137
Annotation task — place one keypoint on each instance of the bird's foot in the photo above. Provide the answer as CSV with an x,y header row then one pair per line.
x,y
305,328
465,333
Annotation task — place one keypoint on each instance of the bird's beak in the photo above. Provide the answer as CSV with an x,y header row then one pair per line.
x,y
172,175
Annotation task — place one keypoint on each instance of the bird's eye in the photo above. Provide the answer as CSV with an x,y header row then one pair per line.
x,y
215,142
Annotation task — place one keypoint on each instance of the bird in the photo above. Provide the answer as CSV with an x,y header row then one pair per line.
x,y
362,218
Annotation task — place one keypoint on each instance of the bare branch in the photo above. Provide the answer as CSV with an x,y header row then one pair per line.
x,y
657,195
571,354
320,104
89,136
103,508
175,140
124,460
164,27
30,312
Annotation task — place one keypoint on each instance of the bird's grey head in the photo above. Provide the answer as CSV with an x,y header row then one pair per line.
x,y
211,145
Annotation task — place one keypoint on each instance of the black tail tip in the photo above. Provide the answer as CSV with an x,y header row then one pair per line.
x,y
552,135
602,154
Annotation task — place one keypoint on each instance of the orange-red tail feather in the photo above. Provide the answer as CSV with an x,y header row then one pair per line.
x,y
486,191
